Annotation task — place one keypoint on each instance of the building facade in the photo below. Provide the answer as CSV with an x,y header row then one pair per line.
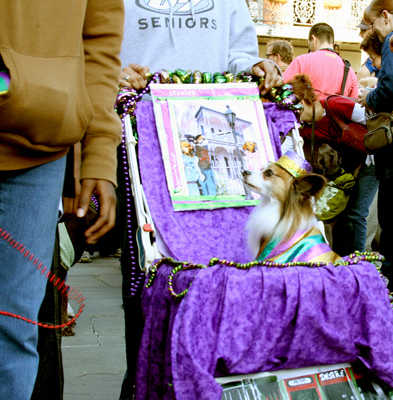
x,y
291,20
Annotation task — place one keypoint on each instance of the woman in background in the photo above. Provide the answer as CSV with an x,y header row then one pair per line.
x,y
378,15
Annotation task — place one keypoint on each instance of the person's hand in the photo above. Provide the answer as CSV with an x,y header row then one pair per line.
x,y
271,74
391,43
134,76
106,196
363,97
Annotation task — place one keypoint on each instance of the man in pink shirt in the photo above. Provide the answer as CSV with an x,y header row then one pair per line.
x,y
323,65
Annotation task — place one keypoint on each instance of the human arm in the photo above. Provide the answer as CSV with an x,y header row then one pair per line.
x,y
362,97
136,76
346,109
363,73
243,48
272,74
102,37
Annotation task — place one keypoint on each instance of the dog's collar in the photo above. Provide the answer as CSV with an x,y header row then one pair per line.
x,y
332,171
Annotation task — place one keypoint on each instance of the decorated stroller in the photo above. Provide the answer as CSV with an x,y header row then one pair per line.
x,y
222,326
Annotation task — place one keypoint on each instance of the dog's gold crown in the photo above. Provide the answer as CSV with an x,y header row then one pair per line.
x,y
294,164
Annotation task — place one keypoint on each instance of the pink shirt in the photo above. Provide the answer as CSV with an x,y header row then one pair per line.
x,y
326,71
253,161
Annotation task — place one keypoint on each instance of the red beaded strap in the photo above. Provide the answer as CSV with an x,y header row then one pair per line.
x,y
59,284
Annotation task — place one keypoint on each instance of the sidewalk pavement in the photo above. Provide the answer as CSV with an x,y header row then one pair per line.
x,y
94,359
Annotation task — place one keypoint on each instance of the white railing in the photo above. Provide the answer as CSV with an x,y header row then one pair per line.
x,y
280,14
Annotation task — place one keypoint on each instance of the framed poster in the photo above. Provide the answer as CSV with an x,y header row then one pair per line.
x,y
204,155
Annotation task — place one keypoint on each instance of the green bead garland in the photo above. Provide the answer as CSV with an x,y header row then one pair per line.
x,y
354,258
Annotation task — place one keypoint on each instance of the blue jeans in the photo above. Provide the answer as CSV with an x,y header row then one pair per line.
x,y
29,201
209,185
385,219
350,230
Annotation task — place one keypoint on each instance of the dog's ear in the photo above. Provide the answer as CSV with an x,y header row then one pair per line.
x,y
310,184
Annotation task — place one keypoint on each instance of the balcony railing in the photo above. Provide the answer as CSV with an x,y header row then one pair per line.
x,y
279,15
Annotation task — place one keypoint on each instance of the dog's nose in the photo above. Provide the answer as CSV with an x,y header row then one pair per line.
x,y
246,172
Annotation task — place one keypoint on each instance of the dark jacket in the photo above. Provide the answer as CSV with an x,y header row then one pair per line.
x,y
381,99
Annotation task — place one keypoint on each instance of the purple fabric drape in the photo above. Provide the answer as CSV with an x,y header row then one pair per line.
x,y
196,235
263,319
234,321
279,122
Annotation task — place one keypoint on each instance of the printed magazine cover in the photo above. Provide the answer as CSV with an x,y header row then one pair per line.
x,y
204,155
332,382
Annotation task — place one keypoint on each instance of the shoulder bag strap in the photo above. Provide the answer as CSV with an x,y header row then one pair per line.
x,y
312,135
347,66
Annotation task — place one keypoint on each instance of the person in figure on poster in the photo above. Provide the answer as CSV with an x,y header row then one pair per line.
x,y
56,96
208,36
379,17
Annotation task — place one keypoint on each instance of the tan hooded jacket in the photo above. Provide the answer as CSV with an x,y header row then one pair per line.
x,y
64,68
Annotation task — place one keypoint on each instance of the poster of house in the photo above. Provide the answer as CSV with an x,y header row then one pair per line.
x,y
204,155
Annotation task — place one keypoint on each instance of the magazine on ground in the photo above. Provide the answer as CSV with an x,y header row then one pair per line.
x,y
329,382
204,155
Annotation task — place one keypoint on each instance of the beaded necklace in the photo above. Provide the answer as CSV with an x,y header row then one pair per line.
x,y
353,259
127,97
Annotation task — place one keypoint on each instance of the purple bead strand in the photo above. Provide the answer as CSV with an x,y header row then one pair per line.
x,y
136,273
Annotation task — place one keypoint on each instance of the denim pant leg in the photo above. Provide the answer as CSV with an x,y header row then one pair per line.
x,y
385,218
29,201
350,231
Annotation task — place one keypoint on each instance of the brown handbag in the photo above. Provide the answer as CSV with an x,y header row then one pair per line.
x,y
379,132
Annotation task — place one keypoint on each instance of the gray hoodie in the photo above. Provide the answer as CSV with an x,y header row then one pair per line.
x,y
206,35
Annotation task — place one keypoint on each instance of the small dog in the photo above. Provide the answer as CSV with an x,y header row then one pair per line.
x,y
187,148
368,82
250,147
286,209
328,160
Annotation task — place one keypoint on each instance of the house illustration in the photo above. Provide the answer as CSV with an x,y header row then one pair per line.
x,y
225,149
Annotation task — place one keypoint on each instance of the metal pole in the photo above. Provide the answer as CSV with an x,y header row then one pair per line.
x,y
248,195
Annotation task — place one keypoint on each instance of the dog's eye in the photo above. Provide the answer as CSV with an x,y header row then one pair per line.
x,y
268,173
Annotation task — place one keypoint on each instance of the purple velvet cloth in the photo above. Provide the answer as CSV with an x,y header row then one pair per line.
x,y
279,122
263,319
234,321
196,235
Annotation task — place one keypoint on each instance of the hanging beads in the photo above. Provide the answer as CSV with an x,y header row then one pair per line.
x,y
354,258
